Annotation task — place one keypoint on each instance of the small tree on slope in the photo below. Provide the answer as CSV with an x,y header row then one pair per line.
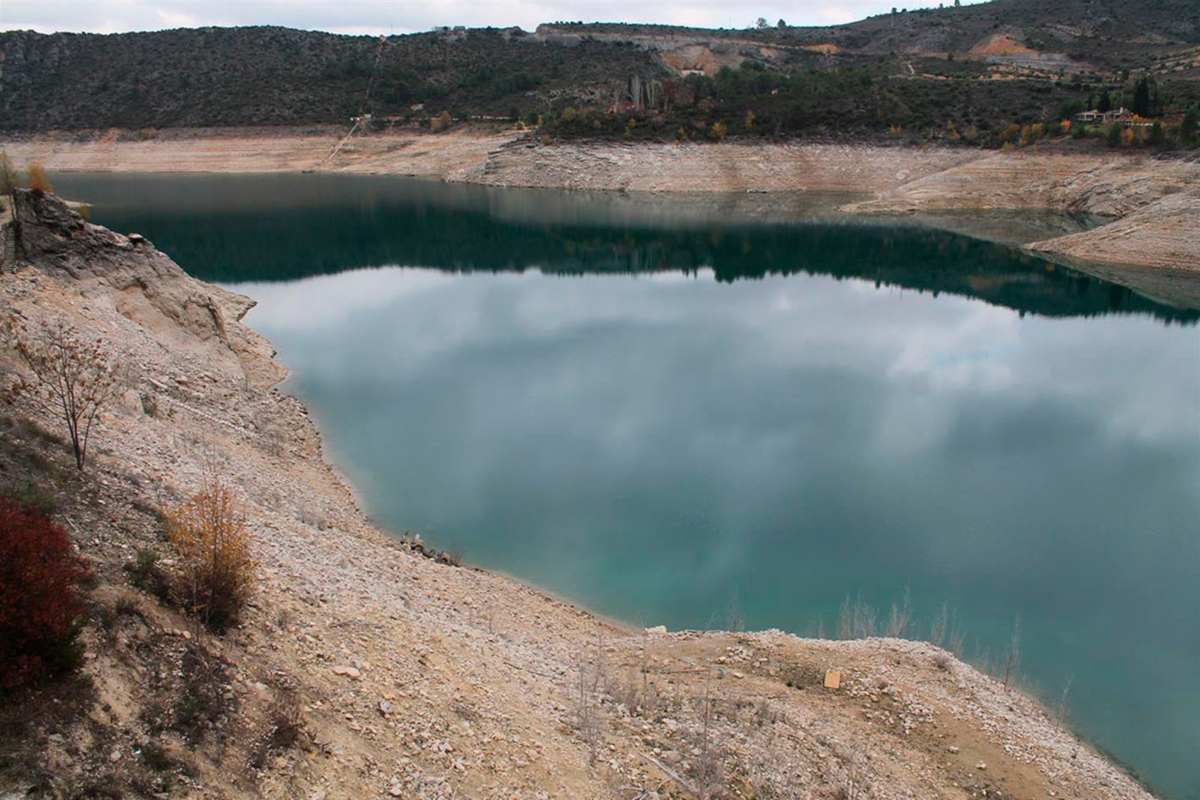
x,y
72,378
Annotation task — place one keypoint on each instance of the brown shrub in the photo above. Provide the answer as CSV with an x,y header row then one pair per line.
x,y
38,180
41,603
285,719
217,573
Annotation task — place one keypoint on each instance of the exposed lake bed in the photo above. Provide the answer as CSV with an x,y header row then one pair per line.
x,y
588,396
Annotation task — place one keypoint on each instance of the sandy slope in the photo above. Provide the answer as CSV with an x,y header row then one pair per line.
x,y
447,156
420,679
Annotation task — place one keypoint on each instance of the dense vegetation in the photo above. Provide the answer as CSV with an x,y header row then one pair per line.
x,y
273,76
853,102
965,74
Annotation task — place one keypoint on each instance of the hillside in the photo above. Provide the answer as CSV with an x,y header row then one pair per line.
x,y
1078,34
273,76
971,70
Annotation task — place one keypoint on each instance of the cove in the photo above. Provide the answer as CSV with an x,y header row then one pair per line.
x,y
714,411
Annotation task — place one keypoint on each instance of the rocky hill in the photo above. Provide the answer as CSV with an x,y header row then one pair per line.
x,y
1078,35
1006,60
272,76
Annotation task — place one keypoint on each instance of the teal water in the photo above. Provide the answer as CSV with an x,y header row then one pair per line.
x,y
702,411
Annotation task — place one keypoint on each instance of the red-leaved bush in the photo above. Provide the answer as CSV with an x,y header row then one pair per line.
x,y
40,597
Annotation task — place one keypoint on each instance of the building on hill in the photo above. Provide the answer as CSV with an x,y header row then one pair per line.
x,y
1121,115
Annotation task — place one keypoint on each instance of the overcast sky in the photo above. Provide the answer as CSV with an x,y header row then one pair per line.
x,y
407,16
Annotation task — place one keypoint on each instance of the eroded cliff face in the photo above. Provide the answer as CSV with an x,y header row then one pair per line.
x,y
139,281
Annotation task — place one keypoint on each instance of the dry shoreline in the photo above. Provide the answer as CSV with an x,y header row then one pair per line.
x,y
1151,201
424,680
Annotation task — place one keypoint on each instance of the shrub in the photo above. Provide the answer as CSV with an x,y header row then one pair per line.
x,y
202,701
41,602
1157,135
1190,126
1010,135
33,496
286,724
38,180
1031,134
217,574
146,574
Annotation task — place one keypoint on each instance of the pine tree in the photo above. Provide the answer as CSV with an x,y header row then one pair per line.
x,y
1143,104
1191,122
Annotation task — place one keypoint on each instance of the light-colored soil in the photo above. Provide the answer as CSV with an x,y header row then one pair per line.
x,y
446,156
903,180
1164,234
424,680
715,167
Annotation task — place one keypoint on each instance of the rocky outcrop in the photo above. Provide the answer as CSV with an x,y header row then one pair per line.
x,y
1153,201
1164,234
141,282
55,238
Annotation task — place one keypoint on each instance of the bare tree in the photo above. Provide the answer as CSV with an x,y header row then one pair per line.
x,y
856,619
901,616
1012,659
72,377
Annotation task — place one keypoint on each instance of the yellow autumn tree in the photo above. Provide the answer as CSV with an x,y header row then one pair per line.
x,y
217,571
37,178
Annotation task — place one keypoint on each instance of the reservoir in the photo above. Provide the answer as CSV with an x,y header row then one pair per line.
x,y
709,411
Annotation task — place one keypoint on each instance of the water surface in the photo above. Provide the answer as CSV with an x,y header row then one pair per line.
x,y
704,411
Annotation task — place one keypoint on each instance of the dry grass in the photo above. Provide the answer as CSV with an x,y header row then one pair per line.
x,y
593,673
285,725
